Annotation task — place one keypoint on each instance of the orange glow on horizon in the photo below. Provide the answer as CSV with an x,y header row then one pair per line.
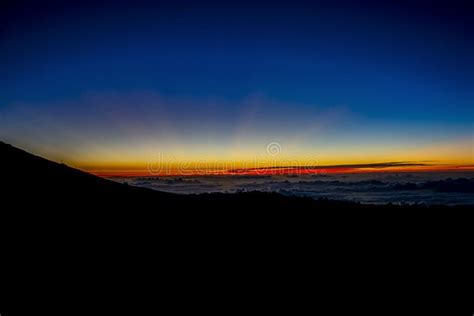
x,y
284,171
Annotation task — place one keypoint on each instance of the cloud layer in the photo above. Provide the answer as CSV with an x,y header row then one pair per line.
x,y
430,188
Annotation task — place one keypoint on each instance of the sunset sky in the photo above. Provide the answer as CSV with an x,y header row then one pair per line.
x,y
138,87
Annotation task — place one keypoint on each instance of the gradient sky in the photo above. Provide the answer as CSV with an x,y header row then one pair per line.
x,y
114,86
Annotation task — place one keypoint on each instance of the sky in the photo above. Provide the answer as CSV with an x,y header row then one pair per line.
x,y
115,87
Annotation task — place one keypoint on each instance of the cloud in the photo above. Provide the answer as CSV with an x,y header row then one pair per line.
x,y
367,188
330,167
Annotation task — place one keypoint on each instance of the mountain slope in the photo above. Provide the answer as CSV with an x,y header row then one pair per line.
x,y
67,230
35,175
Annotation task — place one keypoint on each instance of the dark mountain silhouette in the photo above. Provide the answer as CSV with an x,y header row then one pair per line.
x,y
72,238
36,175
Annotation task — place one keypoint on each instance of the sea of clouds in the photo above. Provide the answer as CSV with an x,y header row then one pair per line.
x,y
381,188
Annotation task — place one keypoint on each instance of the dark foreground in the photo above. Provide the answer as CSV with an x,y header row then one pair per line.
x,y
72,238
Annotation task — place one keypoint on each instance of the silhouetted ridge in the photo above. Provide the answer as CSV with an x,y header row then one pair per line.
x,y
32,173
65,227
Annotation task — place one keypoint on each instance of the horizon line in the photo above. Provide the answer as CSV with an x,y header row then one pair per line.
x,y
392,167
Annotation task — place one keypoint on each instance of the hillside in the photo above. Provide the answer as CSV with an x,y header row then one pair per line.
x,y
65,227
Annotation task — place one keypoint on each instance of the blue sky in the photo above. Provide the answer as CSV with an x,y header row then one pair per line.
x,y
391,67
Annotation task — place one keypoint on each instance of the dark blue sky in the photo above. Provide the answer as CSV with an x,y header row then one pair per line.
x,y
397,61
